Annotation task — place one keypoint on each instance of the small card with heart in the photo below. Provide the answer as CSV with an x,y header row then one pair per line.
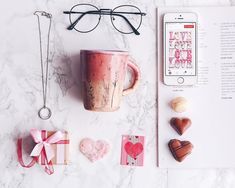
x,y
132,150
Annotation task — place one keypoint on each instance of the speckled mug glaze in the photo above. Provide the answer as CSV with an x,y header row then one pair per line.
x,y
103,75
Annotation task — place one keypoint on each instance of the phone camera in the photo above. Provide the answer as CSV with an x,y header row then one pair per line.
x,y
180,15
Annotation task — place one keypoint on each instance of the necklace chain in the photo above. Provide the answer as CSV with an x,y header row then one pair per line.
x,y
44,71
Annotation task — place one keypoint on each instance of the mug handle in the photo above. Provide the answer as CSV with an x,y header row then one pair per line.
x,y
136,72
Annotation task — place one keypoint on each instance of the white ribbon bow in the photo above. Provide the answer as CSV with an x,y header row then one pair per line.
x,y
37,136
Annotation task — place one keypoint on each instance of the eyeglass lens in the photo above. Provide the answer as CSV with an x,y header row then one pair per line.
x,y
87,22
131,14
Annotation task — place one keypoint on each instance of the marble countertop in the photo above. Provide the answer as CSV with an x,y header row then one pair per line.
x,y
21,97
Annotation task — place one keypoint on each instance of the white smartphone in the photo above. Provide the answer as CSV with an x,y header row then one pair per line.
x,y
180,49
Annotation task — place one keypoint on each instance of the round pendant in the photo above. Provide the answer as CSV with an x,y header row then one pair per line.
x,y
44,113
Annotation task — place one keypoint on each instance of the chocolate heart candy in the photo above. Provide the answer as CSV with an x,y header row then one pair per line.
x,y
180,125
180,149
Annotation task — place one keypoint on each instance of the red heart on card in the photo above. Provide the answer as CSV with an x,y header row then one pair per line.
x,y
133,149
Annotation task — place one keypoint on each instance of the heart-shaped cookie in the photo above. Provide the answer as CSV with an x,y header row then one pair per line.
x,y
180,149
133,149
180,125
94,150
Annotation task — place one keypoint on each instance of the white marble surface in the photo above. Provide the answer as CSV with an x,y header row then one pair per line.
x,y
20,98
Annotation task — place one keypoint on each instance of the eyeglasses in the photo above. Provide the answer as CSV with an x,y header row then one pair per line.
x,y
85,18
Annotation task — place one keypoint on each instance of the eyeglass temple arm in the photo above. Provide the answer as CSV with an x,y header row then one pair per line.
x,y
129,23
79,18
141,13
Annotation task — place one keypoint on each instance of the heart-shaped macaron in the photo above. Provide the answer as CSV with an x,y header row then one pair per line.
x,y
180,149
180,124
94,150
133,149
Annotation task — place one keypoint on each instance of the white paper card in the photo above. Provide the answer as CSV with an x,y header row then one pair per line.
x,y
212,100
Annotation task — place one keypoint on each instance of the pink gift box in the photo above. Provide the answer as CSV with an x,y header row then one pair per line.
x,y
61,149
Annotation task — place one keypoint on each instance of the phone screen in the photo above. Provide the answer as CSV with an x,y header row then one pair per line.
x,y
180,46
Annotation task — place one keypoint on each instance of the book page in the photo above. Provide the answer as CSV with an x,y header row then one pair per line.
x,y
211,102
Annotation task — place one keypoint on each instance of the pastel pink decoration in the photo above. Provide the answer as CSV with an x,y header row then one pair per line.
x,y
103,76
50,148
94,150
132,150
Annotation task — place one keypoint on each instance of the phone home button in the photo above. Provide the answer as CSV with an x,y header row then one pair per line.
x,y
180,80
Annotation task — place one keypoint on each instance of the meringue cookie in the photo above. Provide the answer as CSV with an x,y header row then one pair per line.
x,y
179,104
94,150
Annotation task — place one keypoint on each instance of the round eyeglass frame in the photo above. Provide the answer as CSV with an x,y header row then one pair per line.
x,y
87,5
113,11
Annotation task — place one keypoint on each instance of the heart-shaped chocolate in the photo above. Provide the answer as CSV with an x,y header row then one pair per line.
x,y
180,125
180,149
133,149
93,150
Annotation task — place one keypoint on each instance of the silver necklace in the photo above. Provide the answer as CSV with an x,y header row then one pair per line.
x,y
44,112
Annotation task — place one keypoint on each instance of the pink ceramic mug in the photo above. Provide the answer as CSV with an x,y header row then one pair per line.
x,y
103,75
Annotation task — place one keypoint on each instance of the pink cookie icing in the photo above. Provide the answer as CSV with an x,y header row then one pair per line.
x,y
94,150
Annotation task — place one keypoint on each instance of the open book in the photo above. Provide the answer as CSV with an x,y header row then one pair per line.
x,y
212,100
